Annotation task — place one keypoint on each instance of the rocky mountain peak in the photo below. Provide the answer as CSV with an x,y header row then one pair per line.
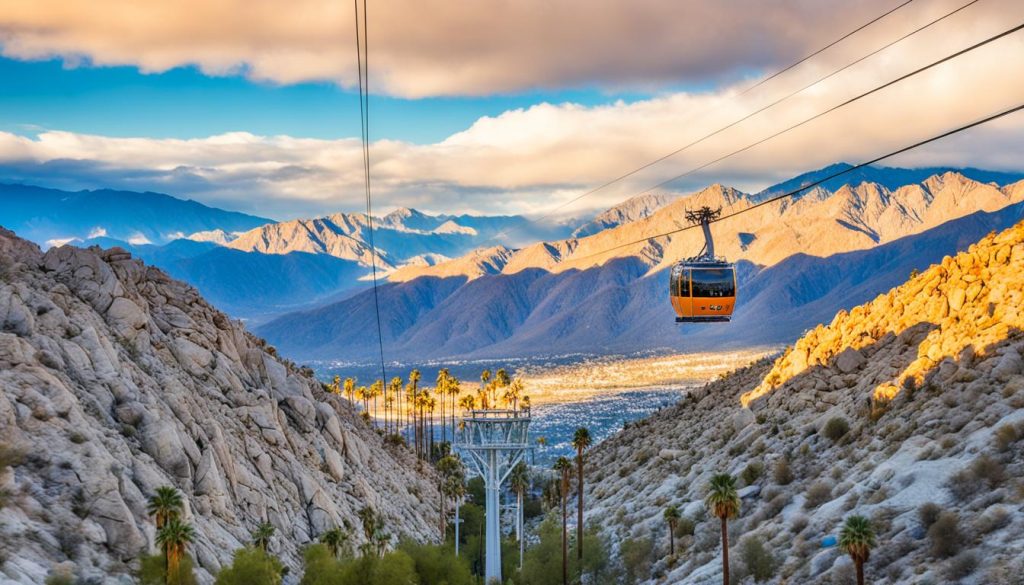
x,y
116,379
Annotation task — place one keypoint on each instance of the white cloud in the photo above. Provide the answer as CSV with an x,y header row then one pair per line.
x,y
438,47
139,240
97,232
528,160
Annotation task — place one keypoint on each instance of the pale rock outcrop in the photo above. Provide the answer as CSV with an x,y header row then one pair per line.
x,y
929,380
116,379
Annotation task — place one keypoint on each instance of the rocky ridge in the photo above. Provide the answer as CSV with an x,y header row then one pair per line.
x,y
117,379
914,398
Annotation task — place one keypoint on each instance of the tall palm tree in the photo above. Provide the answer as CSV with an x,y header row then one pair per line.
x,y
564,467
484,392
350,391
857,538
672,518
431,406
454,389
501,381
581,442
165,505
262,535
395,388
174,537
519,481
724,502
452,478
376,390
334,539
336,385
412,390
441,389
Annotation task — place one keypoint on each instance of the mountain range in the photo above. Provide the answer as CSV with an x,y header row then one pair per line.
x,y
799,261
907,410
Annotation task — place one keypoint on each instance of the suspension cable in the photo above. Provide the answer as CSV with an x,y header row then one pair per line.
x,y
795,192
660,159
363,65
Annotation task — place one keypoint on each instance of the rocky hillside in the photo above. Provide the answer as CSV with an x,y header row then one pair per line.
x,y
116,379
800,261
908,409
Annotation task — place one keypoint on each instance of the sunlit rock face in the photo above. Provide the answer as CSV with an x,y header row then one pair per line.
x,y
914,397
116,379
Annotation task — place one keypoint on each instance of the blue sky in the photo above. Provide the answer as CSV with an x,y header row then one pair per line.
x,y
185,103
482,107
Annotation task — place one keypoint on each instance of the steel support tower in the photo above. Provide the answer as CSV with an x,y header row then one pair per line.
x,y
493,442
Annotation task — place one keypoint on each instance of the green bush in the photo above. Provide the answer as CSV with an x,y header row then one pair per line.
x,y
752,472
759,563
251,566
962,565
153,570
637,555
836,428
685,527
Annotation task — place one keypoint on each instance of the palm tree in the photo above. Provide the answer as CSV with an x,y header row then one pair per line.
x,y
519,481
412,390
262,535
501,380
467,402
165,505
581,442
452,477
376,390
335,385
334,539
857,538
350,391
395,389
431,406
672,517
173,538
442,390
526,405
454,390
564,467
724,502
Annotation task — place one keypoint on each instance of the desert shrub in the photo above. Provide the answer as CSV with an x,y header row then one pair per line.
x,y
782,474
752,472
879,406
819,493
836,428
798,523
945,536
992,520
685,526
962,565
61,578
760,563
928,513
983,472
10,456
637,554
1005,436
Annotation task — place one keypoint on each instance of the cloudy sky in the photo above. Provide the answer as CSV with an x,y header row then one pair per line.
x,y
486,106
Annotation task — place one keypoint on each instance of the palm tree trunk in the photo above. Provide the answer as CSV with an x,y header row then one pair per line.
x,y
519,528
725,551
579,506
671,541
565,540
860,572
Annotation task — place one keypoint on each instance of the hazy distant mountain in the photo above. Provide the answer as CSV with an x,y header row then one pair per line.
x,y
799,263
51,217
401,237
